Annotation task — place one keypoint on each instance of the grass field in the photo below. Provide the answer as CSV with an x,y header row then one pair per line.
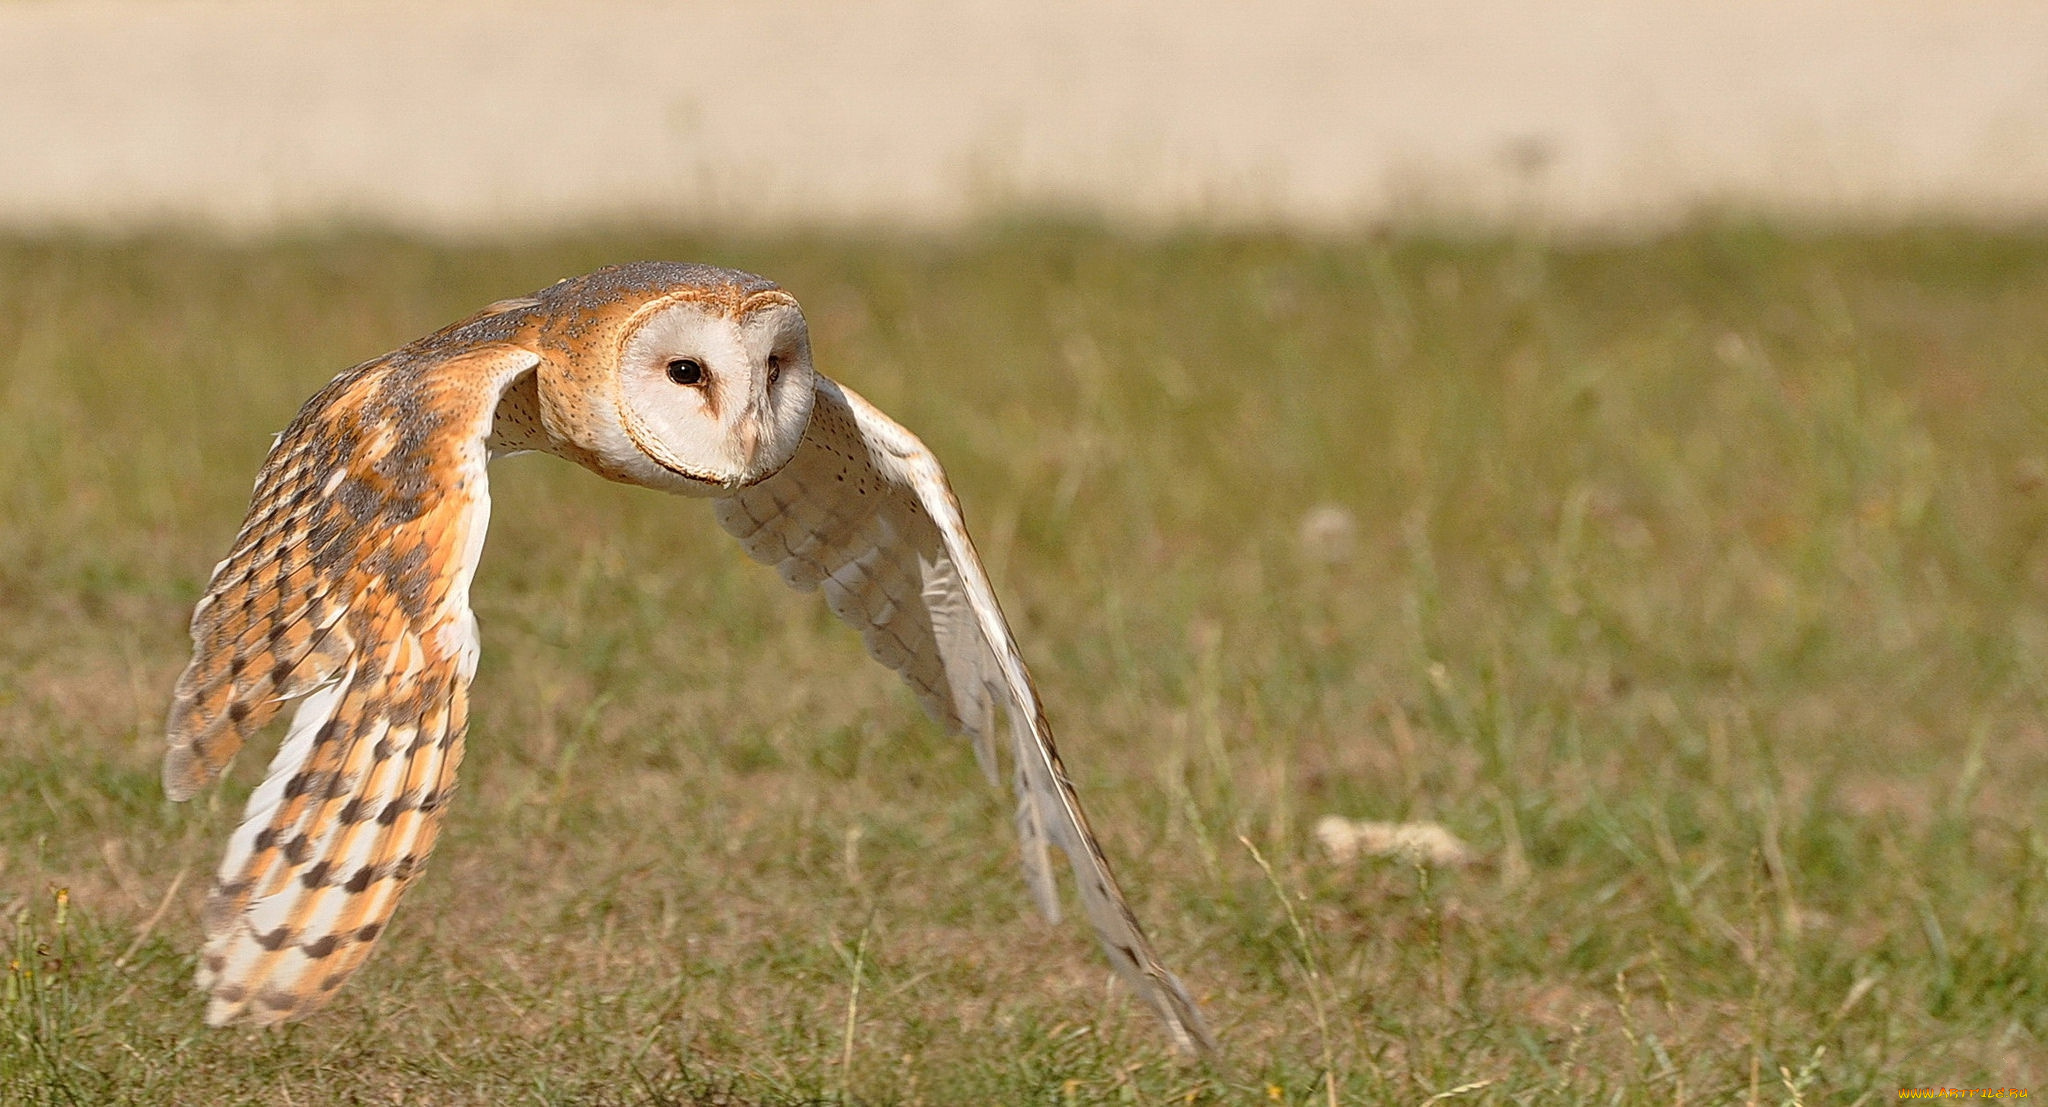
x,y
1699,585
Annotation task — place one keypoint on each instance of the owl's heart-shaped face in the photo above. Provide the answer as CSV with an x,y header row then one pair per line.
x,y
712,400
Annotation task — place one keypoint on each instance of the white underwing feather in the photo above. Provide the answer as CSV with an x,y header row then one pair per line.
x,y
313,712
864,508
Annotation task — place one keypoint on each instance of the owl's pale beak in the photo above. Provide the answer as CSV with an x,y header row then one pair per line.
x,y
753,422
747,435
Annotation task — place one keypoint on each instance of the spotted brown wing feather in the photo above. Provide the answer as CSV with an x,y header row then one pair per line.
x,y
347,591
864,512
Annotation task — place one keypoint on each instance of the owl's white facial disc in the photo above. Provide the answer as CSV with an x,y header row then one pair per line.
x,y
715,402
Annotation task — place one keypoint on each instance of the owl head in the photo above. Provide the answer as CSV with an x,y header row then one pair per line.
x,y
687,378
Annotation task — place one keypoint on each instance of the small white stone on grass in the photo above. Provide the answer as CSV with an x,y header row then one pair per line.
x,y
1329,535
1420,843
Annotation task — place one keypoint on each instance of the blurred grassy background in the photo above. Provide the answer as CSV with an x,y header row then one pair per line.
x,y
1697,583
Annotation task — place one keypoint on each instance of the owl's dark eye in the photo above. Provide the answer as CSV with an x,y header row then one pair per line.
x,y
686,370
774,367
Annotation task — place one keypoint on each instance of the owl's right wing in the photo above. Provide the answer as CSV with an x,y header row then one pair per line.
x,y
346,593
864,512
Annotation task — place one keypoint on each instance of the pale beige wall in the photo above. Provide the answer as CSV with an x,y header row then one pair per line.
x,y
466,116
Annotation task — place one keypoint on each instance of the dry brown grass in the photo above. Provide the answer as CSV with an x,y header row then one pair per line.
x,y
1697,584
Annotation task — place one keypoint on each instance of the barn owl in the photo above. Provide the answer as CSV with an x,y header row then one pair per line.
x,y
347,591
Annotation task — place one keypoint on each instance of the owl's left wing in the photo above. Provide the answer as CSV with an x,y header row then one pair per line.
x,y
347,590
864,511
